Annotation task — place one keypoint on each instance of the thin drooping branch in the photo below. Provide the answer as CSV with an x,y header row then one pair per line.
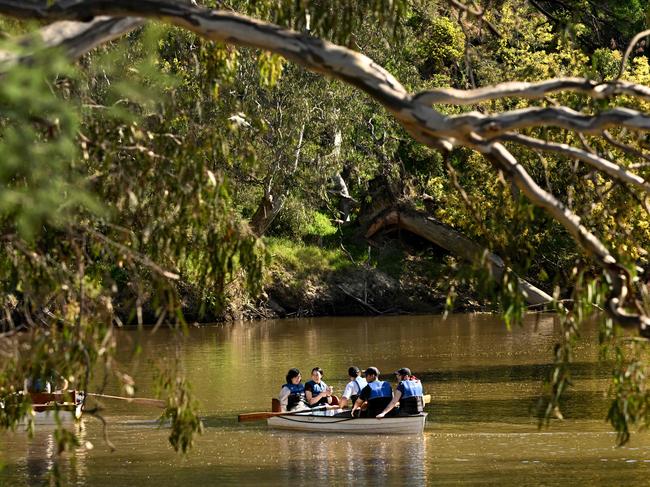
x,y
479,14
635,40
533,91
615,171
561,117
497,154
75,38
625,147
142,259
617,276
429,126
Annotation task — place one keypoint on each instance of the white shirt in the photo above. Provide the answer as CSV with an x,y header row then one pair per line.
x,y
353,388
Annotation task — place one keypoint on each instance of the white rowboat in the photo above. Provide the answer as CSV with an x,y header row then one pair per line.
x,y
312,421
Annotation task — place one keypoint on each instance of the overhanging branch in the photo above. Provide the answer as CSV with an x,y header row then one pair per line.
x,y
615,171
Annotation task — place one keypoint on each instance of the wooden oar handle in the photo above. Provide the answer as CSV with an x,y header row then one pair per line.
x,y
137,400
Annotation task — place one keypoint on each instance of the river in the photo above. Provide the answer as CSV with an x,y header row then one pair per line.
x,y
483,378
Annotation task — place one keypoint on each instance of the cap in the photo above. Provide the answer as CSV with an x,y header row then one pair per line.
x,y
353,371
403,371
372,371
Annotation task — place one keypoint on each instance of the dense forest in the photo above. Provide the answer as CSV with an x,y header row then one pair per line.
x,y
165,173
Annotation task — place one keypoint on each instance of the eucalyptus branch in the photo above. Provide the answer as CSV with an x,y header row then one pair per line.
x,y
559,117
133,254
75,38
533,91
613,170
478,13
635,40
625,147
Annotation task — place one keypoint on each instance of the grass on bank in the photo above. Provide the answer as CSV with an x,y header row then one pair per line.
x,y
305,259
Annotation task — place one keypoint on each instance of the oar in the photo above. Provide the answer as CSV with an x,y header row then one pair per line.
x,y
268,414
137,400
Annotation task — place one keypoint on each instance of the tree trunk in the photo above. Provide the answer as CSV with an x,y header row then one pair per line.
x,y
270,205
266,212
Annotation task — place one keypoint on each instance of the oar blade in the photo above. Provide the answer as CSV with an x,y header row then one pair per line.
x,y
255,416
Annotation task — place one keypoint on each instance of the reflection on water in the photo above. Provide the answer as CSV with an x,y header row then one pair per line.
x,y
351,459
37,460
40,457
484,381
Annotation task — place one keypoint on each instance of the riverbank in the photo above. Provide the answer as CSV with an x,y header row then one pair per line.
x,y
395,276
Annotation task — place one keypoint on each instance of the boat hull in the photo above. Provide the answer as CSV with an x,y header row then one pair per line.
x,y
45,406
404,425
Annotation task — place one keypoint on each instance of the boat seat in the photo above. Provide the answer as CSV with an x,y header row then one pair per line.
x,y
275,405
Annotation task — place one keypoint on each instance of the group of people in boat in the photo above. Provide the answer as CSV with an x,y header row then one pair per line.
x,y
366,396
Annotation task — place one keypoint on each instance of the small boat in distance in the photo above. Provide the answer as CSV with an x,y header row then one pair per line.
x,y
326,421
69,405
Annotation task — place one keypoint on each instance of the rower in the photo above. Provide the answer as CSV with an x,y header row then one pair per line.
x,y
408,393
292,394
377,394
353,388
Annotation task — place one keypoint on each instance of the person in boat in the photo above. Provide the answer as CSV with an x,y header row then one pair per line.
x,y
409,394
52,382
317,392
292,394
353,388
377,394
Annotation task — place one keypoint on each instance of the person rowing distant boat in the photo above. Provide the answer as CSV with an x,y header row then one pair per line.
x,y
353,388
292,395
377,394
408,393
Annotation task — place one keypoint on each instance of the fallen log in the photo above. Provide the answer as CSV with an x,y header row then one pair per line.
x,y
455,243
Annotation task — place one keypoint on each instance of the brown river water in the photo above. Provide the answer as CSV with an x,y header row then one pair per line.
x,y
484,381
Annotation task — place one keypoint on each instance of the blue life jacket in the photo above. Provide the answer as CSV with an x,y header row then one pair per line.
x,y
412,388
412,400
39,385
380,396
295,388
316,389
296,396
379,388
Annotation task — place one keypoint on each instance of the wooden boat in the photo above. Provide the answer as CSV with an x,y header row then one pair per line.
x,y
69,405
326,422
